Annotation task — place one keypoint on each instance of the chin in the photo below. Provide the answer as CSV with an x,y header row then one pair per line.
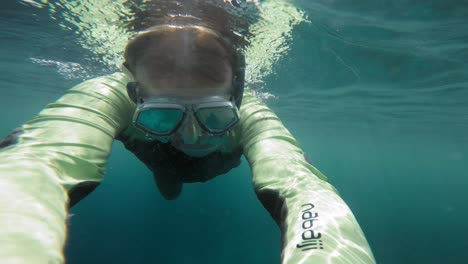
x,y
198,152
203,147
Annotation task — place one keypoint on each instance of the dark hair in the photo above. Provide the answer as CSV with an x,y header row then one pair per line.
x,y
204,54
228,30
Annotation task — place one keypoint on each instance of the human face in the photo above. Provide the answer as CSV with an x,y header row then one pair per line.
x,y
161,116
185,64
190,137
189,61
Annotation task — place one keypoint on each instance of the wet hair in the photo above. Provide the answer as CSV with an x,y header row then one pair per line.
x,y
195,53
213,31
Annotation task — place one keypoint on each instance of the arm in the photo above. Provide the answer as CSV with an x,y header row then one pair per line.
x,y
58,158
316,224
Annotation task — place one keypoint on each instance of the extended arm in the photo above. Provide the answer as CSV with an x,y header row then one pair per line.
x,y
58,157
316,224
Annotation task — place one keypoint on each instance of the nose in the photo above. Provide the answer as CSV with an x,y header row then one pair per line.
x,y
190,130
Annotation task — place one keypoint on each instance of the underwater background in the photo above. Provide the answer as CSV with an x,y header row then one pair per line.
x,y
376,93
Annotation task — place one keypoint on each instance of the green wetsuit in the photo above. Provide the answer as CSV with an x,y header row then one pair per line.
x,y
60,156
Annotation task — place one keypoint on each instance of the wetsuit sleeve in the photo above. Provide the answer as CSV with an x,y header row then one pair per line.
x,y
316,224
64,147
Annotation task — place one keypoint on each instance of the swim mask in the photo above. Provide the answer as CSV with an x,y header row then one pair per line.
x,y
163,116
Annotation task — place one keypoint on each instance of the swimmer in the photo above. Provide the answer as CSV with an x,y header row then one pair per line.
x,y
180,105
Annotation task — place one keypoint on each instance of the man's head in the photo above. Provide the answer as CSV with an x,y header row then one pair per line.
x,y
182,60
186,65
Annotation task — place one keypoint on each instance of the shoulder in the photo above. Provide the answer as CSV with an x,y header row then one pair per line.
x,y
116,81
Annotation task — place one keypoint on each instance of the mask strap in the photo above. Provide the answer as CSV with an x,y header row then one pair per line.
x,y
132,91
124,68
132,85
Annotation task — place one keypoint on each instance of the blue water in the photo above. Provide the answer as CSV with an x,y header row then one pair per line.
x,y
376,92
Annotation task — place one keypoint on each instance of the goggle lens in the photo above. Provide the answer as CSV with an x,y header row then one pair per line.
x,y
159,121
217,119
162,119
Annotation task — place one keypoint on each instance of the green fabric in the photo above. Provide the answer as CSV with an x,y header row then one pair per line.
x,y
69,142
297,195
